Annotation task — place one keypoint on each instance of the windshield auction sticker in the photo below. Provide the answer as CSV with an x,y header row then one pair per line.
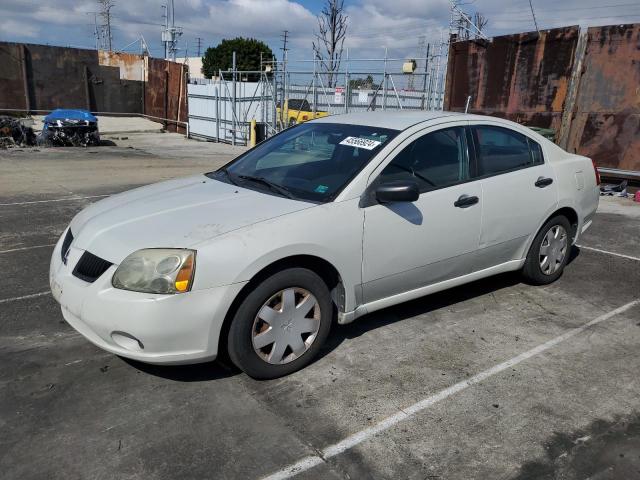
x,y
360,143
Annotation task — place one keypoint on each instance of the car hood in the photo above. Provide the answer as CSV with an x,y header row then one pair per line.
x,y
178,213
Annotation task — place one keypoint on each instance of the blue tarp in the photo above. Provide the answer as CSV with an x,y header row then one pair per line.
x,y
68,114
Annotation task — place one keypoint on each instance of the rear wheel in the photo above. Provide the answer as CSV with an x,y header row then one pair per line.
x,y
281,325
292,122
549,252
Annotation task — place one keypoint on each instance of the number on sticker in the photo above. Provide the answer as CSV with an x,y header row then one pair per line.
x,y
360,143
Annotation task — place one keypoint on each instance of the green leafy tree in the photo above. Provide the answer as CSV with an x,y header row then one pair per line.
x,y
247,50
366,83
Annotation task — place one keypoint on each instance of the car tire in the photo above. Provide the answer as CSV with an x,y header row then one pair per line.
x,y
292,122
549,252
275,310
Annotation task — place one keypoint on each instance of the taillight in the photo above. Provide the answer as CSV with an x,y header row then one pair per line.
x,y
595,169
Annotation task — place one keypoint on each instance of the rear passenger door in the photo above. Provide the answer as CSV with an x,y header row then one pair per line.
x,y
519,191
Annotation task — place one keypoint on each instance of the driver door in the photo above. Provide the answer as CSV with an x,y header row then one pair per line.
x,y
410,245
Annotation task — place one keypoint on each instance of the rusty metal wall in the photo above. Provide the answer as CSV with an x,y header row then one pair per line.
x,y
521,77
41,77
165,91
605,122
585,86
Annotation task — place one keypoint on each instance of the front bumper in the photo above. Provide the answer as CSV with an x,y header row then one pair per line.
x,y
152,328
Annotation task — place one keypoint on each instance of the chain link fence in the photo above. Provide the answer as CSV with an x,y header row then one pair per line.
x,y
225,108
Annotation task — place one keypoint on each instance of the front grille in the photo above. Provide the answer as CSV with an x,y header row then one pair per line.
x,y
66,243
89,267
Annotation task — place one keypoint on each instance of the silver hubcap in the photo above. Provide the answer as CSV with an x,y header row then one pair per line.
x,y
553,249
286,326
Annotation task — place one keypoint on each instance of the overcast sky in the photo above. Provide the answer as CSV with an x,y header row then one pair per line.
x,y
373,24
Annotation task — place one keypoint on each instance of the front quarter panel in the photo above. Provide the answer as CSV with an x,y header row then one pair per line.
x,y
331,231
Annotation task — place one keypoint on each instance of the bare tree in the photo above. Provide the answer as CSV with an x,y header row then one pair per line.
x,y
481,22
328,46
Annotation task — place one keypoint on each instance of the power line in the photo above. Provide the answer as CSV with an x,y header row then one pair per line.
x,y
507,11
557,20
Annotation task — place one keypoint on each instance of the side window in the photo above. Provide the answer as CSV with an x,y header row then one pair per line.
x,y
435,160
502,150
536,152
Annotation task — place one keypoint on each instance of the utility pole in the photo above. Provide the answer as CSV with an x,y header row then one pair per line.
x,y
285,38
95,31
171,33
105,14
165,15
199,46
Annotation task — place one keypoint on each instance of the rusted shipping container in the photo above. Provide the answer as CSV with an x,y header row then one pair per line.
x,y
605,123
521,77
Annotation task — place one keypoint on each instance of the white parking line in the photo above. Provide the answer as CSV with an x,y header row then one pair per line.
x,y
22,249
406,413
24,297
628,257
66,199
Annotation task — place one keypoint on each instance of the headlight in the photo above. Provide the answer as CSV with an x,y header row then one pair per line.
x,y
157,270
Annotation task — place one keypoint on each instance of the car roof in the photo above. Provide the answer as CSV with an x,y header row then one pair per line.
x,y
397,120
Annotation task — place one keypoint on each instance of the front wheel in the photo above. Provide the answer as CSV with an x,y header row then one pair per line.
x,y
549,252
281,325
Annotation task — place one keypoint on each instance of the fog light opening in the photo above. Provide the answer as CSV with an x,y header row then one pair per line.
x,y
127,341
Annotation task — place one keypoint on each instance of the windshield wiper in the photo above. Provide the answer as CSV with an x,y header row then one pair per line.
x,y
229,176
284,191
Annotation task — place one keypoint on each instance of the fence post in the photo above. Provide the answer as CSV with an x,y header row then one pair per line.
x,y
233,101
315,91
275,99
384,82
424,79
252,133
347,90
217,90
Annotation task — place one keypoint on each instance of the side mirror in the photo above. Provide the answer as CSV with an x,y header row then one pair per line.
x,y
399,191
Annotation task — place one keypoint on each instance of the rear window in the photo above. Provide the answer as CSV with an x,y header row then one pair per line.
x,y
299,104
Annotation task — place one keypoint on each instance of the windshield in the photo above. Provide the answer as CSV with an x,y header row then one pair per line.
x,y
312,161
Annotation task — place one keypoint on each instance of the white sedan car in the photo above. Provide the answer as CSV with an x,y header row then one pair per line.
x,y
328,220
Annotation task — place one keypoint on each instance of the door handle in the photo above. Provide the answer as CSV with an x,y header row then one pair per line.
x,y
465,201
543,182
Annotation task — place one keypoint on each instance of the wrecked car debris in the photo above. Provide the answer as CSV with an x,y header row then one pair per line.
x,y
619,190
70,128
13,132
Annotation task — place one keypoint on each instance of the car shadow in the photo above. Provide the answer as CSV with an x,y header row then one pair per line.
x,y
424,305
223,368
199,372
419,306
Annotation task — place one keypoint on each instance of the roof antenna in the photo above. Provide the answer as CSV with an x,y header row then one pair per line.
x,y
466,107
